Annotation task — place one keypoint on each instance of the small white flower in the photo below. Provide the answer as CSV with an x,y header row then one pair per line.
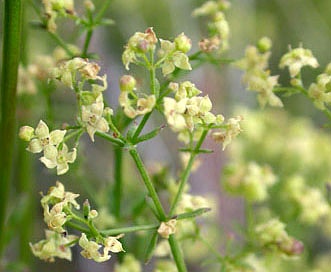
x,y
44,138
58,158
296,58
92,117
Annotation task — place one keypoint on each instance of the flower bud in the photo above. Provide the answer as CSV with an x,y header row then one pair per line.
x,y
264,44
86,209
89,5
93,214
183,43
127,83
26,133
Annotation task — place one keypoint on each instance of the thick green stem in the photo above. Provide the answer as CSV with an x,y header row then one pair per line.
x,y
148,183
186,173
118,182
10,62
177,253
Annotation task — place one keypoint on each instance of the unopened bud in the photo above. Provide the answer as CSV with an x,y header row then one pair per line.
x,y
264,44
127,83
86,209
89,5
183,43
26,133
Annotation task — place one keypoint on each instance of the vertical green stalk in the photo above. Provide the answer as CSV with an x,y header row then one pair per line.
x,y
186,173
177,254
10,62
148,183
118,171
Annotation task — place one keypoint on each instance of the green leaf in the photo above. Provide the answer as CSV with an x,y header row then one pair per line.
x,y
148,135
193,214
204,151
106,22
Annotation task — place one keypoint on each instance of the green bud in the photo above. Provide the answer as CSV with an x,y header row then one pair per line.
x,y
264,44
127,83
86,209
26,133
183,43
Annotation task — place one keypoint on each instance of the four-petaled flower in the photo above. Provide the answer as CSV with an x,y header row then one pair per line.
x,y
44,138
59,158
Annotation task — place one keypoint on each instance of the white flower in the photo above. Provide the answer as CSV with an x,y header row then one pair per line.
x,y
92,117
55,245
58,158
296,58
44,138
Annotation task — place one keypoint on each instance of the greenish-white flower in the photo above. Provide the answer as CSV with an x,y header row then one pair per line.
x,y
92,250
55,245
43,138
58,158
296,58
92,117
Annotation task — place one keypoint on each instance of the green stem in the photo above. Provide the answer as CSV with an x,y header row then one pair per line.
x,y
10,61
186,173
148,183
177,253
103,10
109,138
130,229
61,43
118,170
141,125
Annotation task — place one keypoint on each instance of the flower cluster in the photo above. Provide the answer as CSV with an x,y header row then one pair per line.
x,y
55,245
295,59
139,44
54,205
55,8
320,91
257,76
273,236
91,248
171,54
131,104
228,132
313,206
56,153
218,27
74,73
187,113
251,181
58,210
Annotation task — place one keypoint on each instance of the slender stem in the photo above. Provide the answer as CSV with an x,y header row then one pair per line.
x,y
89,33
130,229
141,125
110,138
177,253
103,10
61,43
118,171
77,227
186,173
11,56
148,183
